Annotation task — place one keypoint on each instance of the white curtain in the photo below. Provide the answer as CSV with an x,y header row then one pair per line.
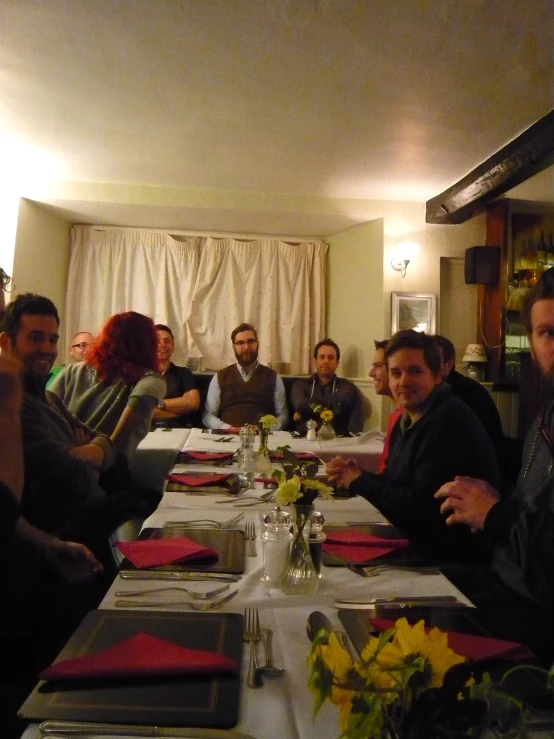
x,y
202,288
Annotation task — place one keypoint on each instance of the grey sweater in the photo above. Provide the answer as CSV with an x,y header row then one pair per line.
x,y
100,405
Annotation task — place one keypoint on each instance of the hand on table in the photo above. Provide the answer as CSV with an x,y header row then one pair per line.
x,y
341,472
467,500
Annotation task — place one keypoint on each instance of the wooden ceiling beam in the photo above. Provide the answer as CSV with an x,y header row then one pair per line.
x,y
529,153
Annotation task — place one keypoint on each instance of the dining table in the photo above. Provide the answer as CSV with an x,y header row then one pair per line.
x,y
283,707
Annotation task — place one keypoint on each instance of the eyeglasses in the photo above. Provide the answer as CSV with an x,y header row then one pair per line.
x,y
82,345
249,342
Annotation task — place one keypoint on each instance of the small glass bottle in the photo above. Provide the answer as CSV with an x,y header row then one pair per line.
x,y
311,426
276,540
247,436
317,537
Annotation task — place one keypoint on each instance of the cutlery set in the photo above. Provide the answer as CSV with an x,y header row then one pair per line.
x,y
205,522
209,606
252,634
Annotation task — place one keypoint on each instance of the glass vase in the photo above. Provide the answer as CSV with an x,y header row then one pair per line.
x,y
300,576
326,432
263,462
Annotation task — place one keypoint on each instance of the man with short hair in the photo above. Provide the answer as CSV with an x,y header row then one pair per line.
x,y
324,389
437,438
182,399
380,376
243,392
79,344
472,393
519,524
63,457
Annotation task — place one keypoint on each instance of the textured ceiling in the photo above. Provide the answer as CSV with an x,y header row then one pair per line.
x,y
367,99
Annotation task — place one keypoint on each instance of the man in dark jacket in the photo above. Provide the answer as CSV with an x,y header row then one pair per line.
x,y
324,390
520,525
437,437
473,394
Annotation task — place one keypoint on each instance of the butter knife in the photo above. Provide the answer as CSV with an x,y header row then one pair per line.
x,y
63,729
177,575
400,599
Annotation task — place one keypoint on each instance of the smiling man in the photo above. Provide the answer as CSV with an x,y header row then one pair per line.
x,y
324,388
436,435
520,524
182,398
379,373
244,391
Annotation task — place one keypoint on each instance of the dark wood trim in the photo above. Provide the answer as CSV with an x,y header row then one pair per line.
x,y
492,298
529,153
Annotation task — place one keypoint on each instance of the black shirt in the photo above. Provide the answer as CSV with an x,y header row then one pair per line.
x,y
180,380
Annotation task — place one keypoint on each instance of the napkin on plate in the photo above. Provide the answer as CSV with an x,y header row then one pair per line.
x,y
142,655
473,647
155,552
200,456
197,481
306,456
358,546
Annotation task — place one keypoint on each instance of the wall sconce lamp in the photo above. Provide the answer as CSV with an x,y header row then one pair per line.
x,y
405,252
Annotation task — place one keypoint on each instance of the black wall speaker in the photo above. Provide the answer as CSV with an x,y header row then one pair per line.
x,y
482,265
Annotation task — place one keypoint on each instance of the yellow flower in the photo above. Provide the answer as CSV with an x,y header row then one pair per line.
x,y
411,642
323,490
288,491
269,422
327,415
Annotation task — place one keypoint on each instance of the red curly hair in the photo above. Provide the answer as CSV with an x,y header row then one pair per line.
x,y
125,349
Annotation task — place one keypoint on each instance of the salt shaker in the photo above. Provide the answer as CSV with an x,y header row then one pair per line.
x,y
276,540
311,426
247,436
317,537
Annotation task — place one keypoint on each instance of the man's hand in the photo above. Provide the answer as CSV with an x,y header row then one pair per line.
x,y
297,417
10,383
72,561
82,436
341,472
92,454
467,500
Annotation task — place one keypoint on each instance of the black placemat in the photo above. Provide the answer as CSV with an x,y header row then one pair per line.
x,y
228,543
193,700
230,486
405,556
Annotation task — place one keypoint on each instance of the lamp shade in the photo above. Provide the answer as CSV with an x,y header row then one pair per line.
x,y
475,353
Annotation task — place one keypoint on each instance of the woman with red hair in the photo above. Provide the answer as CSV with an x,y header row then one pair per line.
x,y
118,386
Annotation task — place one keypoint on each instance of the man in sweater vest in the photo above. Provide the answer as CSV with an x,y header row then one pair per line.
x,y
242,392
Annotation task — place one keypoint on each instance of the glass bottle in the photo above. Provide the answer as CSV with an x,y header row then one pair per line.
x,y
541,250
317,537
276,540
300,576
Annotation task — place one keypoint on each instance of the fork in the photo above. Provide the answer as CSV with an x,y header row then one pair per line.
x,y
251,634
203,521
182,604
250,536
193,594
264,498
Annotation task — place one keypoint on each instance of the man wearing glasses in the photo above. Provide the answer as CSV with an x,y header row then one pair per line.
x,y
79,344
244,391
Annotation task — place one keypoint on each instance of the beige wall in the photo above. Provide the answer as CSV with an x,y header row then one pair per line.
x,y
41,258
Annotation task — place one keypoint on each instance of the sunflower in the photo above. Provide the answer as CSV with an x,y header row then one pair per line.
x,y
412,643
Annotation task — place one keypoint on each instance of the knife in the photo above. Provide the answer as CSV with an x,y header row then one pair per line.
x,y
63,729
401,599
177,575
317,621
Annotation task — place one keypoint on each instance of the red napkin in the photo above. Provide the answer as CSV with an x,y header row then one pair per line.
x,y
472,647
206,456
274,456
358,546
154,552
197,481
142,655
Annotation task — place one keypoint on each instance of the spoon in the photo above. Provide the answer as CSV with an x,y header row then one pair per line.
x,y
269,669
193,593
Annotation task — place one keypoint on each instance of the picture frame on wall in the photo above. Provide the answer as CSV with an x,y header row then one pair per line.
x,y
417,311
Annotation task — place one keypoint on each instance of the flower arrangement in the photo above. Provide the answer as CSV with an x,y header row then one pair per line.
x,y
408,684
326,414
297,482
268,423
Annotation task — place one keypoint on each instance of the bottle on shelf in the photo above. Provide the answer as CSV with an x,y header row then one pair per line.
x,y
541,250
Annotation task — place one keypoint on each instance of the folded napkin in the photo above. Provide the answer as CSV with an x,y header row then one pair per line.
x,y
197,481
142,655
472,647
205,456
358,546
155,552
